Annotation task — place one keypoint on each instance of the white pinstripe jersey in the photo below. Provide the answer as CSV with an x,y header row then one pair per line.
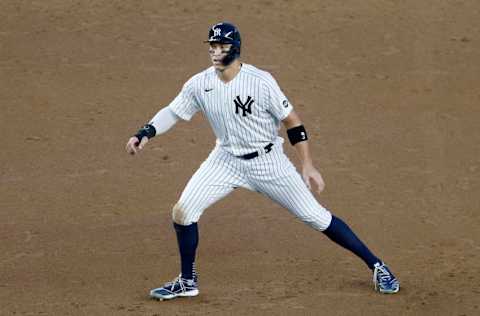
x,y
244,113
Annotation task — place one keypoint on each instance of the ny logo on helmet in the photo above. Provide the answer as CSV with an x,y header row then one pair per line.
x,y
245,107
217,32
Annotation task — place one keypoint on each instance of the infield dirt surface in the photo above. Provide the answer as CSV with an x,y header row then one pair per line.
x,y
389,90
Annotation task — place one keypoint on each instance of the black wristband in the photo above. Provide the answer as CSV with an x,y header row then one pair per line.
x,y
297,134
148,130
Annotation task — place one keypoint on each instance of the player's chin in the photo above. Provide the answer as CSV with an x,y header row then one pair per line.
x,y
218,64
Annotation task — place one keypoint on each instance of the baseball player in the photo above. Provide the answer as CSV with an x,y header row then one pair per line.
x,y
245,106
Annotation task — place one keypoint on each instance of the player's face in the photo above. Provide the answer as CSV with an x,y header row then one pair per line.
x,y
217,52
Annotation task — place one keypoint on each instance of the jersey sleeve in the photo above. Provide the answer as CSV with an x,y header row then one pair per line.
x,y
277,103
185,104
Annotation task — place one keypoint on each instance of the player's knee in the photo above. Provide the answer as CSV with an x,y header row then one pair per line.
x,y
318,219
180,215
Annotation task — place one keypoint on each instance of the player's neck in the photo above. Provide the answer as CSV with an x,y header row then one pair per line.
x,y
228,73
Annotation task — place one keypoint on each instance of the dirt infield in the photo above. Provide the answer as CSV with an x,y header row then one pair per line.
x,y
390,91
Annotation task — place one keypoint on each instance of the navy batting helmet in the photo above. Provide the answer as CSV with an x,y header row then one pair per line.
x,y
226,33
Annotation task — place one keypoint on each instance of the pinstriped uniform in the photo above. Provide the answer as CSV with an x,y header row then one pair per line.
x,y
245,115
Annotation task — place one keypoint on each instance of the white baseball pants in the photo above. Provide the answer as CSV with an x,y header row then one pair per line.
x,y
271,174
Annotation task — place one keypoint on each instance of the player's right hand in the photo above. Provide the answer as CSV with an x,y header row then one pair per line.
x,y
134,146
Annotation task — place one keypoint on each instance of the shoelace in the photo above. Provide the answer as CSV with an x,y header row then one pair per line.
x,y
383,274
181,282
174,282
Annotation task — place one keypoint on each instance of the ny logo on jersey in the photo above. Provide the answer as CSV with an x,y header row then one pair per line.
x,y
246,107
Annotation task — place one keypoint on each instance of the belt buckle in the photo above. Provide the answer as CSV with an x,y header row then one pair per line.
x,y
268,148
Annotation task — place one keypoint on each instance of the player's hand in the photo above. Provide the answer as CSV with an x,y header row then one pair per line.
x,y
134,146
312,177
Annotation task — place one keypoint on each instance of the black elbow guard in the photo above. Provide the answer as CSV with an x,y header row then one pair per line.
x,y
297,134
148,130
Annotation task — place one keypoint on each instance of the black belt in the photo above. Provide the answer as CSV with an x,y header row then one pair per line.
x,y
255,154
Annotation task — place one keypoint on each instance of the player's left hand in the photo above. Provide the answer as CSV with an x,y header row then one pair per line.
x,y
312,176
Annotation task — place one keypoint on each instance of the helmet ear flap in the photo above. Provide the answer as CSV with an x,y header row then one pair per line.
x,y
233,54
235,50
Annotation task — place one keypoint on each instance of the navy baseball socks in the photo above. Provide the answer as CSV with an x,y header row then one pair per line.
x,y
340,233
187,237
185,285
383,278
